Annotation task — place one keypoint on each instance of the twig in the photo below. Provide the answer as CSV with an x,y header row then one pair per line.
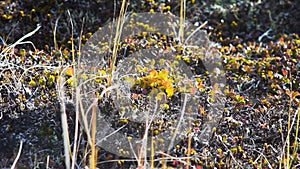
x,y
180,120
20,40
261,154
230,153
18,156
48,159
200,27
64,122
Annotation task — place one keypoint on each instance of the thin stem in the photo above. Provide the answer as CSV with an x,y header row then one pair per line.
x,y
93,157
18,156
117,39
182,20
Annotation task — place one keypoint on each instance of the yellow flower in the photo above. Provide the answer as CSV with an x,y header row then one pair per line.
x,y
32,83
153,73
170,92
69,71
42,81
103,72
165,106
71,81
51,79
163,75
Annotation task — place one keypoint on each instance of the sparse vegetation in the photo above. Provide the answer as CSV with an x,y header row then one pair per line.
x,y
46,85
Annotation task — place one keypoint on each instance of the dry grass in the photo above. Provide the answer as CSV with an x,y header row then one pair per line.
x,y
287,156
